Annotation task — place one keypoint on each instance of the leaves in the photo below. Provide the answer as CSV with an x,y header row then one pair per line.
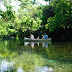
x,y
60,19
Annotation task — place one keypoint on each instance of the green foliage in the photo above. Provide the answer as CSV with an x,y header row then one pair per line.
x,y
8,14
30,24
61,17
33,18
49,24
47,12
18,23
3,30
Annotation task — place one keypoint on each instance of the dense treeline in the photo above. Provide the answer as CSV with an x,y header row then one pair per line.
x,y
55,19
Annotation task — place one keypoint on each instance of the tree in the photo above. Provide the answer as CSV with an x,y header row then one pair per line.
x,y
62,16
8,14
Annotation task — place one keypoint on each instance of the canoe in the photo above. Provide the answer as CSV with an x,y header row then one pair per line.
x,y
37,40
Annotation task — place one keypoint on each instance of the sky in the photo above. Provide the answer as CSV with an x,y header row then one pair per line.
x,y
16,3
13,3
42,2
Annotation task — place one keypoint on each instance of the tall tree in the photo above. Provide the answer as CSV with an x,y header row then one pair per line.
x,y
62,16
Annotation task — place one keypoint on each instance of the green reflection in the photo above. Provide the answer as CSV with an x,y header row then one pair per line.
x,y
56,55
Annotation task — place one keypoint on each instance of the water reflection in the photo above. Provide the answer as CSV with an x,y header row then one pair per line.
x,y
20,69
6,66
44,69
26,43
20,56
45,44
33,44
38,43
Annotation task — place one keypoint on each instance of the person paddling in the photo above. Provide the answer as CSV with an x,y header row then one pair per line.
x,y
45,36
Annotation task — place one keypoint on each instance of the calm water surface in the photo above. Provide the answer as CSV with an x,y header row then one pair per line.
x,y
20,56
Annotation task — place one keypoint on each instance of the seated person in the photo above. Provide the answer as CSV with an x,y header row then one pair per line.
x,y
32,36
37,37
45,36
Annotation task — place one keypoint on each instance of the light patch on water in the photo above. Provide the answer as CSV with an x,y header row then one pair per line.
x,y
6,66
26,43
44,69
20,69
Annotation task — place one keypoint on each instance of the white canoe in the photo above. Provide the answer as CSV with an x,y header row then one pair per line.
x,y
37,40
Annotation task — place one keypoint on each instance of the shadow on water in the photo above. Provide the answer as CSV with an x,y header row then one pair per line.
x,y
20,56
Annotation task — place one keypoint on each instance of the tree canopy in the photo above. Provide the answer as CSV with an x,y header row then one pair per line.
x,y
30,17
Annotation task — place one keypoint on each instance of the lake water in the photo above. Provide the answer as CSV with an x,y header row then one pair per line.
x,y
20,56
